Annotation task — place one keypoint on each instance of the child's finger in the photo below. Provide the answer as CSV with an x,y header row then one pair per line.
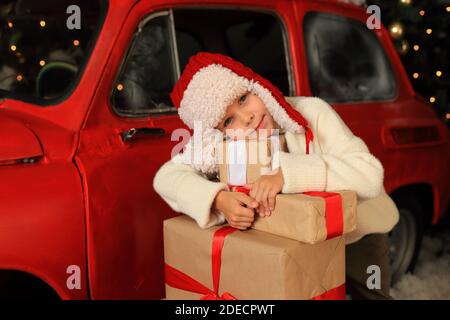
x,y
239,219
243,225
252,189
265,200
245,212
258,194
272,196
248,201
260,211
239,226
253,193
261,197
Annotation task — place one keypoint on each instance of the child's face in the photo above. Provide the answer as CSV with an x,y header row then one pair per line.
x,y
249,114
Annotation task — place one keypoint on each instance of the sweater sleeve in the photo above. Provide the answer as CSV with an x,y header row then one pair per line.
x,y
344,164
188,191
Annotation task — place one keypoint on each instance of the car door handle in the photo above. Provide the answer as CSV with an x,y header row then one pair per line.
x,y
130,133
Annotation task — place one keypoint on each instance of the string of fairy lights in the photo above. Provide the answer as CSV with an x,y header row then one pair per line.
x,y
14,48
397,30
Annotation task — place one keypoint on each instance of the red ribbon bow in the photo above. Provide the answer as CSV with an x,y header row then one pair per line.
x,y
177,279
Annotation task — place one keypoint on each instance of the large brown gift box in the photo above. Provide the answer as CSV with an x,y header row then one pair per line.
x,y
303,217
254,264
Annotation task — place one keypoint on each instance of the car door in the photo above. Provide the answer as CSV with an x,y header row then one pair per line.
x,y
127,135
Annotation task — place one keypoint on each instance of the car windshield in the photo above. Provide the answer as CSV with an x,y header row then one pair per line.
x,y
44,46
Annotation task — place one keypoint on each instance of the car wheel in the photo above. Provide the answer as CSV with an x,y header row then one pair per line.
x,y
406,237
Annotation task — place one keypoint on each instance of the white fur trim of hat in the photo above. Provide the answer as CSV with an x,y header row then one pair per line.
x,y
213,88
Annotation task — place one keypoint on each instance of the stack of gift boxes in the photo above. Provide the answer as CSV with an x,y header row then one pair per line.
x,y
298,252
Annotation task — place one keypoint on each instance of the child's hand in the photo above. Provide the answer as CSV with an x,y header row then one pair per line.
x,y
232,205
265,189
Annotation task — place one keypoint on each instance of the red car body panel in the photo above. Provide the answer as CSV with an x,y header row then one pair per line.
x,y
22,144
42,225
89,201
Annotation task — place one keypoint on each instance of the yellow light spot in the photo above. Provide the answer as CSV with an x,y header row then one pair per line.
x,y
42,63
432,99
10,24
429,31
422,12
19,77
120,87
438,73
415,75
13,48
448,9
42,23
76,43
416,47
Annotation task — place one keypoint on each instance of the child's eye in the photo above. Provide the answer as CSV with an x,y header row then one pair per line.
x,y
227,121
242,99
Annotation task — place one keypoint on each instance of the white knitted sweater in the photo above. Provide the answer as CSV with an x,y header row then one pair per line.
x,y
338,160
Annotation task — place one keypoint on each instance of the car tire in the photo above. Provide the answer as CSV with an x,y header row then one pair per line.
x,y
406,237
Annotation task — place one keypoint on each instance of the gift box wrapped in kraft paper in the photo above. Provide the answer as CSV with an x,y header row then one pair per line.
x,y
309,217
226,263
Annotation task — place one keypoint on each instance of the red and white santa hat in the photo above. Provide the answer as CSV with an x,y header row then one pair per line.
x,y
211,82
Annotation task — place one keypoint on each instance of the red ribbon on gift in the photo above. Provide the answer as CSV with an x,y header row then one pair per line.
x,y
337,293
177,279
239,189
334,216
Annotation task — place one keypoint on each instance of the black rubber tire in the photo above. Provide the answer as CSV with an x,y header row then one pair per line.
x,y
406,237
17,285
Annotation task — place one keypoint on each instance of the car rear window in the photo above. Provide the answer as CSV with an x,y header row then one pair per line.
x,y
346,62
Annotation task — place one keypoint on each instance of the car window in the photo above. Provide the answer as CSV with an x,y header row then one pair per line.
x,y
42,56
346,62
255,38
148,72
161,48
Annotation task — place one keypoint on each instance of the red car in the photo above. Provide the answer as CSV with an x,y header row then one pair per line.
x,y
86,121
